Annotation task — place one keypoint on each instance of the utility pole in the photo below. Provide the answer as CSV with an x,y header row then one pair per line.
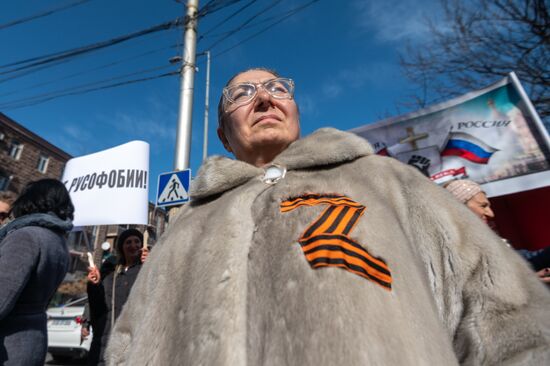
x,y
183,136
206,106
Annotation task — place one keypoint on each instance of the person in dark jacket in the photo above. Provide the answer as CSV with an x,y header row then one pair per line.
x,y
34,259
109,290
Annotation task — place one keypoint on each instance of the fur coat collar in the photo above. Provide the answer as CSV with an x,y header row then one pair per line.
x,y
220,174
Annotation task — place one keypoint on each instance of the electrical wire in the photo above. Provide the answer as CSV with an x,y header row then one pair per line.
x,y
115,85
41,14
232,15
260,21
83,86
41,60
41,98
63,56
271,25
247,21
101,67
215,5
210,7
26,72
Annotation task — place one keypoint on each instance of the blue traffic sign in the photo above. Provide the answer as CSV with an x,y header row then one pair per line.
x,y
173,188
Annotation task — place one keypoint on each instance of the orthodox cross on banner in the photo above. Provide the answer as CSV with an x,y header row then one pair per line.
x,y
412,138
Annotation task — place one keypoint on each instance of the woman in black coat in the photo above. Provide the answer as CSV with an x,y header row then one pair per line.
x,y
109,290
33,261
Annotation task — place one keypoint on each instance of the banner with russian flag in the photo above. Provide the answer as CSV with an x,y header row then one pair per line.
x,y
493,136
468,147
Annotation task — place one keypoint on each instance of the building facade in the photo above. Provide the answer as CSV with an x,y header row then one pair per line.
x,y
26,157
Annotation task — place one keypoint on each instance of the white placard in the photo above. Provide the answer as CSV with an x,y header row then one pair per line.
x,y
110,187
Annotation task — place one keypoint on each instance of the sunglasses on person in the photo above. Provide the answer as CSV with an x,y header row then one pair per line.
x,y
243,93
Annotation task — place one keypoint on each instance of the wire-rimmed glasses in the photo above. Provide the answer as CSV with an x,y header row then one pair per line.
x,y
242,93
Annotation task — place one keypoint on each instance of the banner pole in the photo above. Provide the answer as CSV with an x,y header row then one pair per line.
x,y
530,108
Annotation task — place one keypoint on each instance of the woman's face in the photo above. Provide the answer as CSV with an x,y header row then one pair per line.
x,y
4,209
131,248
265,123
481,206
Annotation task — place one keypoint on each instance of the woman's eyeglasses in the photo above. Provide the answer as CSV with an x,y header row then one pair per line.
x,y
239,94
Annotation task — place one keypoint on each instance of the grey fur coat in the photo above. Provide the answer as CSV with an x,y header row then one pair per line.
x,y
350,259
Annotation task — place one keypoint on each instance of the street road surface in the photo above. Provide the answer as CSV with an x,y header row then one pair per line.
x,y
70,362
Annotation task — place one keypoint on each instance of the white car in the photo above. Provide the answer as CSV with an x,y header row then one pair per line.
x,y
64,325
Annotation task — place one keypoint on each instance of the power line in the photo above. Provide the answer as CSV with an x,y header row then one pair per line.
x,y
271,25
85,91
41,60
116,85
104,66
64,91
26,72
254,24
215,5
242,8
41,14
30,63
86,88
247,21
41,98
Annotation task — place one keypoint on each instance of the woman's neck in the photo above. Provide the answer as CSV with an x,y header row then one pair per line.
x,y
130,262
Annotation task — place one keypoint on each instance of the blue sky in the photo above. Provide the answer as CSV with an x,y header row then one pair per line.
x,y
343,57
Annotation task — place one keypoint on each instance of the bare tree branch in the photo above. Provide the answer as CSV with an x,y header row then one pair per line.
x,y
479,41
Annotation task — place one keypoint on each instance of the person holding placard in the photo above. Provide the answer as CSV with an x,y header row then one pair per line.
x,y
108,291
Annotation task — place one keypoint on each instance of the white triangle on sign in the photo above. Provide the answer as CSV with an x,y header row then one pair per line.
x,y
173,191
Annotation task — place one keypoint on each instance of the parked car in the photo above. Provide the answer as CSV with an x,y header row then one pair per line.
x,y
64,326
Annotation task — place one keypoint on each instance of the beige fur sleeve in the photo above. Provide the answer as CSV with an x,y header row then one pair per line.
x,y
140,324
496,310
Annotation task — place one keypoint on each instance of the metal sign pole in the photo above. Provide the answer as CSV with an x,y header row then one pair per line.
x,y
183,135
206,106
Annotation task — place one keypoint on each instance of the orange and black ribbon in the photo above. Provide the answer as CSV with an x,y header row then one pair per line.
x,y
326,242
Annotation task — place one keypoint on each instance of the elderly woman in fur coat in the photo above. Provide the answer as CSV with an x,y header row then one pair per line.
x,y
315,251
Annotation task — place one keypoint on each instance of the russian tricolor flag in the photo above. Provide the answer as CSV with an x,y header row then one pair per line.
x,y
468,147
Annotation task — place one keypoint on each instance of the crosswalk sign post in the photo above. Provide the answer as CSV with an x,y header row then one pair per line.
x,y
173,188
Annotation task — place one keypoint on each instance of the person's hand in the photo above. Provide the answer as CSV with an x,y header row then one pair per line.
x,y
544,275
144,254
84,332
93,275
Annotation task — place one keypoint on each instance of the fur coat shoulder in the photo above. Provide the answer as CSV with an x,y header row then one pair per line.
x,y
330,255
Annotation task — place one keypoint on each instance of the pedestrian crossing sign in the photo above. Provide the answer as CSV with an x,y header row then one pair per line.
x,y
173,188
